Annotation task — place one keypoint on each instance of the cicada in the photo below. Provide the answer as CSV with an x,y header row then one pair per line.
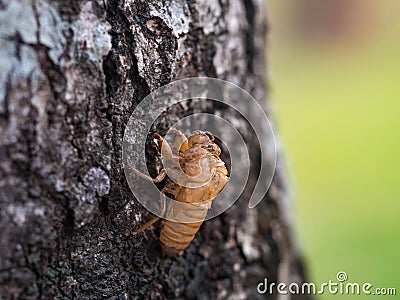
x,y
198,157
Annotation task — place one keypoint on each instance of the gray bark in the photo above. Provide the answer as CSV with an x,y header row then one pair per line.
x,y
71,73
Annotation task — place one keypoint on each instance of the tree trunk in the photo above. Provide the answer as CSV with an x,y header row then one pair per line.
x,y
71,74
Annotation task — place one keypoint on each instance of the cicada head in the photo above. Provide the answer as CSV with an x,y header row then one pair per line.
x,y
205,140
200,137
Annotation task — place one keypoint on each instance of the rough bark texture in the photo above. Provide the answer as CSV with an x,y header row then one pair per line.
x,y
71,73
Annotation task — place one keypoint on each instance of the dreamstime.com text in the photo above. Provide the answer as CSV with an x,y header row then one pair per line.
x,y
342,287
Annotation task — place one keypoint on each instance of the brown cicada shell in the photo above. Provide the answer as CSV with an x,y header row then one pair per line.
x,y
198,158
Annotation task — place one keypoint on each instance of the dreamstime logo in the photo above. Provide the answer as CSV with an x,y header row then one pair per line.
x,y
226,130
331,287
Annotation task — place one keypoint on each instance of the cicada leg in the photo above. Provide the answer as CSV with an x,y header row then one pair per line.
x,y
160,177
154,219
166,150
170,188
181,143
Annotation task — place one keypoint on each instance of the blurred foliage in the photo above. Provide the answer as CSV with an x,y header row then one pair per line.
x,y
336,97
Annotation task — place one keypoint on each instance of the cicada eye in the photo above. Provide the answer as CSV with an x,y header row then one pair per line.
x,y
210,148
210,135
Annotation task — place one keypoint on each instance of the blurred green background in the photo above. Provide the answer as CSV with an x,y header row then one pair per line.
x,y
335,87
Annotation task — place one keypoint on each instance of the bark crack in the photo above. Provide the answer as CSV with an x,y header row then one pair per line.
x,y
249,36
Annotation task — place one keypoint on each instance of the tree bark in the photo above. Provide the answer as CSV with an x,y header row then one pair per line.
x,y
71,73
